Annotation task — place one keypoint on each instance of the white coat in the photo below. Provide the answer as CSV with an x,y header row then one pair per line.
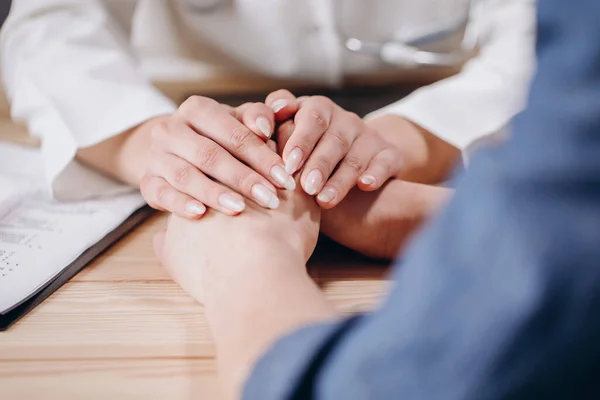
x,y
79,71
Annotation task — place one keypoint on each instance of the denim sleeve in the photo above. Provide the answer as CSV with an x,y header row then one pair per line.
x,y
498,298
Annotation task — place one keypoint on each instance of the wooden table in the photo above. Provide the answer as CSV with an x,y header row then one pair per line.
x,y
122,329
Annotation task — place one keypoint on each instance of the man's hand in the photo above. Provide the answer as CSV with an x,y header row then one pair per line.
x,y
219,241
380,223
335,149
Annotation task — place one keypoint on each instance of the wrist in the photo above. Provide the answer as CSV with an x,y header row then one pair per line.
x,y
262,257
123,156
132,156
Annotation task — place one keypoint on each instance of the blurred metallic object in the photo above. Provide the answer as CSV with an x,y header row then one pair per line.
x,y
411,53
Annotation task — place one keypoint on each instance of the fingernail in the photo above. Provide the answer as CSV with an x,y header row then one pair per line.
x,y
283,178
367,180
264,126
293,161
195,208
232,202
313,183
279,105
327,195
264,196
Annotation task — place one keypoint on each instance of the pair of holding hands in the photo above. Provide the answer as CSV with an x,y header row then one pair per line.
x,y
212,155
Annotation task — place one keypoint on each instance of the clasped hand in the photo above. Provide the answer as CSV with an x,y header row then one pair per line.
x,y
211,155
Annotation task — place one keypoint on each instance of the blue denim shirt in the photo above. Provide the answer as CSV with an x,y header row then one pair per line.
x,y
499,298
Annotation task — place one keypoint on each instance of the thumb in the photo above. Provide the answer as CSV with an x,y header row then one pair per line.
x,y
159,244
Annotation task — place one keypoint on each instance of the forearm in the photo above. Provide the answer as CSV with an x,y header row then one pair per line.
x,y
124,156
426,158
253,303
379,223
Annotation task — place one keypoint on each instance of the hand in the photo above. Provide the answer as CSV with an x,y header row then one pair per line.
x,y
209,154
379,224
334,147
426,157
190,247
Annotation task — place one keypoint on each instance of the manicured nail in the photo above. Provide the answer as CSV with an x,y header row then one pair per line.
x,y
313,183
263,124
367,180
264,196
327,195
279,105
293,161
195,208
283,178
232,202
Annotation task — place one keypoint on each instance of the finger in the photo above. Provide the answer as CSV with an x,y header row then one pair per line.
x,y
283,103
348,172
188,179
382,167
331,149
260,119
158,242
284,133
192,155
272,145
312,121
207,118
159,194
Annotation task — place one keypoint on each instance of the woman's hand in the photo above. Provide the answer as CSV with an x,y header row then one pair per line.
x,y
335,149
189,249
209,154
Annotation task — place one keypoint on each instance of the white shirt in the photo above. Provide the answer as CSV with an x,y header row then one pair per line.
x,y
79,71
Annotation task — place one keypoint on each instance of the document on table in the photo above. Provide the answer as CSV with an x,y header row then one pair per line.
x,y
39,238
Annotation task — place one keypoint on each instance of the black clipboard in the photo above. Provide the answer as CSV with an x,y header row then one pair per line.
x,y
135,219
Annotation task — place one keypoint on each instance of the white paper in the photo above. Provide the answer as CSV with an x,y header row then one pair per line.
x,y
40,237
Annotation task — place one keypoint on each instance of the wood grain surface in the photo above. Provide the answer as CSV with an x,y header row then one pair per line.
x,y
121,329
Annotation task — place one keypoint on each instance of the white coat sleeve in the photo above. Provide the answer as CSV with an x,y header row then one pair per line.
x,y
70,75
490,89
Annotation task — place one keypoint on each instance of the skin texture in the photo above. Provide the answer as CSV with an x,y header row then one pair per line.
x,y
374,221
270,276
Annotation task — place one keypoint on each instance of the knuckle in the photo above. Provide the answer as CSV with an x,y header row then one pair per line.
x,y
195,104
281,93
239,138
182,175
321,100
341,139
206,156
355,163
354,118
160,129
323,163
244,182
318,120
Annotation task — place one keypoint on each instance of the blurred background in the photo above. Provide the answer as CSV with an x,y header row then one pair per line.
x,y
4,7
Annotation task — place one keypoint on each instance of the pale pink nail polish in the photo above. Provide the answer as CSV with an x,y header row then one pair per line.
x,y
279,105
264,196
232,202
367,180
293,161
282,177
264,126
313,182
195,208
327,195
